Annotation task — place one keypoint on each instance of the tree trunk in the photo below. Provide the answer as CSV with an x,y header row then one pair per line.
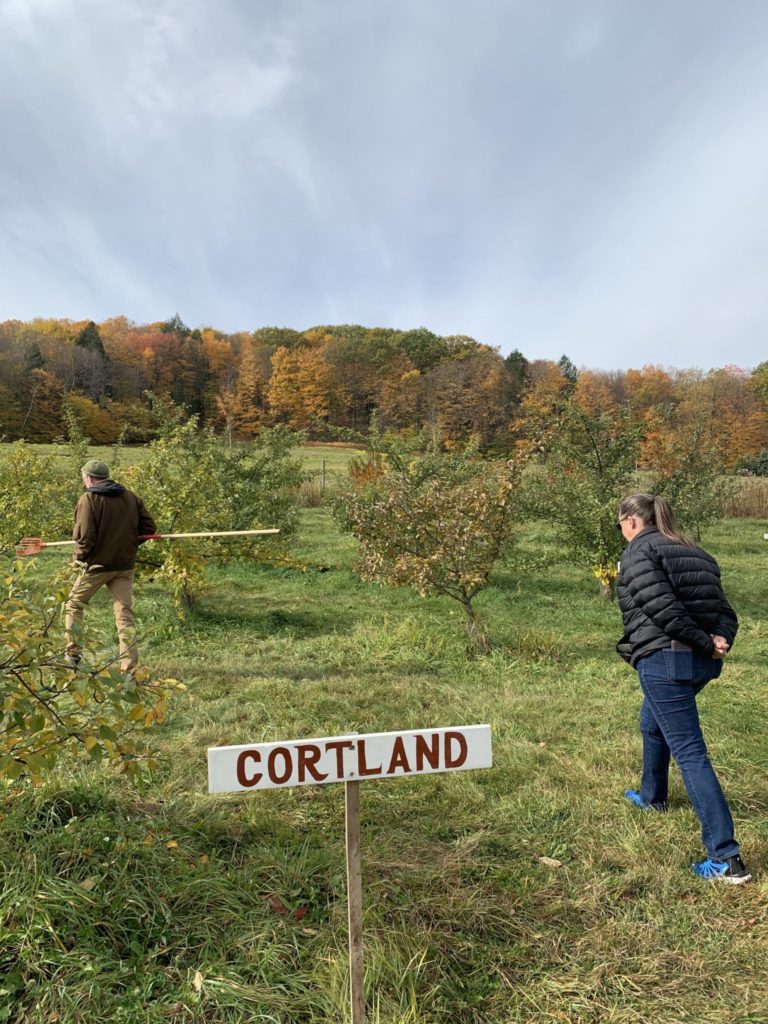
x,y
478,636
607,590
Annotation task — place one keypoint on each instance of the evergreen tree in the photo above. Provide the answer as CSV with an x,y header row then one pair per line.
x,y
518,369
175,326
568,369
33,358
90,338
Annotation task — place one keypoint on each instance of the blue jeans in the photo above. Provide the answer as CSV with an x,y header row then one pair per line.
x,y
669,723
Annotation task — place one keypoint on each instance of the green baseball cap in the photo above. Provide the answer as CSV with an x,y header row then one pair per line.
x,y
96,468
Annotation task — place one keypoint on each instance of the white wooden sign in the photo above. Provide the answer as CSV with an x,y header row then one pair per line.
x,y
351,760
382,755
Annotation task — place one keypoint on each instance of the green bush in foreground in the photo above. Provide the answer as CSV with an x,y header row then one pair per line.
x,y
46,709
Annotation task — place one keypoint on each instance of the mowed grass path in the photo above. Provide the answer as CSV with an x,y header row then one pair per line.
x,y
172,905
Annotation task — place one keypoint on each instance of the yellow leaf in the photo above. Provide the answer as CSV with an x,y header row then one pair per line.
x,y
172,844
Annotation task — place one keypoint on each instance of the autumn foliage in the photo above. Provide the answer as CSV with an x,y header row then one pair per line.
x,y
451,389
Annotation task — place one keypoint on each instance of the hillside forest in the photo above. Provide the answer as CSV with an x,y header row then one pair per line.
x,y
332,381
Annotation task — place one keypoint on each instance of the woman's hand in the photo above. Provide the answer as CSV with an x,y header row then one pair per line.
x,y
721,646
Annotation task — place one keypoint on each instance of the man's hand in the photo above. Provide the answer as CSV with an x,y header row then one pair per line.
x,y
82,566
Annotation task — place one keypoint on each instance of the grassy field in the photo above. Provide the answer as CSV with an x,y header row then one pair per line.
x,y
167,905
326,465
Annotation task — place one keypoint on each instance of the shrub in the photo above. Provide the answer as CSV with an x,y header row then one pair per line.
x,y
191,483
37,496
46,710
587,467
436,523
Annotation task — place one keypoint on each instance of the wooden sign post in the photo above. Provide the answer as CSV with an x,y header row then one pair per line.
x,y
349,759
354,900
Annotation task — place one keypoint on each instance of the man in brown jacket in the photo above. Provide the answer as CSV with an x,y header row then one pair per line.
x,y
109,522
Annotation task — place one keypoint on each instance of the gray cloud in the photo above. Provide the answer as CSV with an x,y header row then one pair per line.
x,y
581,178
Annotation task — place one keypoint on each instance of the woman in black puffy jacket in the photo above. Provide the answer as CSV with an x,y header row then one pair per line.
x,y
678,627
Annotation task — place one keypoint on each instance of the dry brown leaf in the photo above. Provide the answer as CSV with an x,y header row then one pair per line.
x,y
551,862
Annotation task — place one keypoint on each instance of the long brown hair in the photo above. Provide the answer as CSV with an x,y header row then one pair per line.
x,y
654,511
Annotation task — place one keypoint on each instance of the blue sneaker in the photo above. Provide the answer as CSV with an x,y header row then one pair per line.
x,y
637,801
732,870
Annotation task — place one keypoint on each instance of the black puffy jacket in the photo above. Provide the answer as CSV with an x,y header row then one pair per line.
x,y
670,591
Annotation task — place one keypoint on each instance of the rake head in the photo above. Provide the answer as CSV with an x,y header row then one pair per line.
x,y
30,546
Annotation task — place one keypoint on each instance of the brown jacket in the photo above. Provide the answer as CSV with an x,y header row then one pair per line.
x,y
109,519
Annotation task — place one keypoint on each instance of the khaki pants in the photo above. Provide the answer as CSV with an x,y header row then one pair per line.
x,y
120,586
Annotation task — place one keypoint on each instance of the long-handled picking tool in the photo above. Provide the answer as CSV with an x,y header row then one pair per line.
x,y
34,545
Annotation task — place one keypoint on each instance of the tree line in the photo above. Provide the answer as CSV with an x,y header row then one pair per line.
x,y
334,381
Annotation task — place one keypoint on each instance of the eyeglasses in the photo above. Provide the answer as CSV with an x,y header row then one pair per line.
x,y
618,524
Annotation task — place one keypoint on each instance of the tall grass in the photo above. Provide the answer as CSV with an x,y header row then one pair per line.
x,y
747,498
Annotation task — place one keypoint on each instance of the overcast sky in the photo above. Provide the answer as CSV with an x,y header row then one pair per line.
x,y
585,177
